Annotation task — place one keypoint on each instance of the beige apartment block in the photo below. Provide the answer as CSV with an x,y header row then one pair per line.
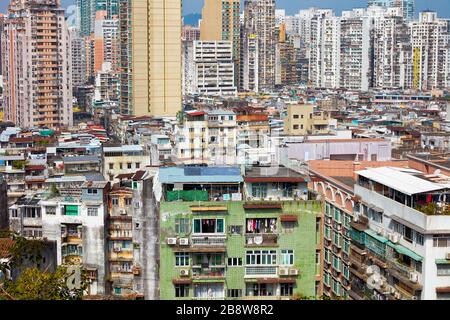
x,y
302,120
156,57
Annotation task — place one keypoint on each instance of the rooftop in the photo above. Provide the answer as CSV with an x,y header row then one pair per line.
x,y
407,181
200,175
274,174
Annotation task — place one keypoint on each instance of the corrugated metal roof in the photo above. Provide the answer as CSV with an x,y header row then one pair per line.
x,y
400,180
200,175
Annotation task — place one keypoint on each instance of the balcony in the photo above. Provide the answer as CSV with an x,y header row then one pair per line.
x,y
261,239
208,241
261,271
208,272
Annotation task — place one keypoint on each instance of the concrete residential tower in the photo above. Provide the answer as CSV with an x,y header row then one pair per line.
x,y
150,32
37,68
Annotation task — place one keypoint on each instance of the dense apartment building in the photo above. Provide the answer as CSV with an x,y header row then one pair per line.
x,y
324,54
233,249
334,181
207,137
123,159
430,44
221,22
302,119
132,235
74,223
406,7
402,227
37,65
150,78
79,63
214,68
355,50
259,17
106,35
392,66
285,60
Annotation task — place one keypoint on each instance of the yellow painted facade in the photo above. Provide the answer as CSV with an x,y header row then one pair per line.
x,y
156,54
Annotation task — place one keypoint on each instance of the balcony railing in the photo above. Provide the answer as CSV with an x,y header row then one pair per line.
x,y
261,239
200,272
261,271
208,240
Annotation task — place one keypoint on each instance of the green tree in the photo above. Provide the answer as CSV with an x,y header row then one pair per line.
x,y
34,284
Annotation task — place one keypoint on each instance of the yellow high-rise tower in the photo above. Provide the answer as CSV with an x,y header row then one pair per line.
x,y
154,39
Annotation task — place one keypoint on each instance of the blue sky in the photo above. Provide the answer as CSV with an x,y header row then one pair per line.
x,y
292,6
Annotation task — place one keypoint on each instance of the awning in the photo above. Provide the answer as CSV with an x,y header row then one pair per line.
x,y
374,235
181,281
288,218
442,261
405,251
443,290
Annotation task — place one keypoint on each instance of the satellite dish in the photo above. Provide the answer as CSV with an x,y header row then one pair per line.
x,y
258,240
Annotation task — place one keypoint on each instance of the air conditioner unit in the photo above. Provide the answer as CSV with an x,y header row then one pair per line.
x,y
171,241
283,271
379,230
394,238
397,295
413,277
447,256
184,272
293,272
123,212
184,242
369,270
117,249
355,218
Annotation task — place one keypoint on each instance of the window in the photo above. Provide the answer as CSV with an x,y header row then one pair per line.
x,y
209,226
235,229
296,116
375,215
121,166
138,165
261,257
443,269
92,191
337,215
326,278
182,226
295,126
115,201
287,257
181,259
346,271
441,240
261,225
336,263
327,209
233,262
181,290
111,166
50,210
336,287
288,226
328,232
92,212
234,293
259,190
128,201
346,246
129,165
286,289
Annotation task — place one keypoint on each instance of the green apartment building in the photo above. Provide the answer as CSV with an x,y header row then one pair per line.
x,y
230,248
